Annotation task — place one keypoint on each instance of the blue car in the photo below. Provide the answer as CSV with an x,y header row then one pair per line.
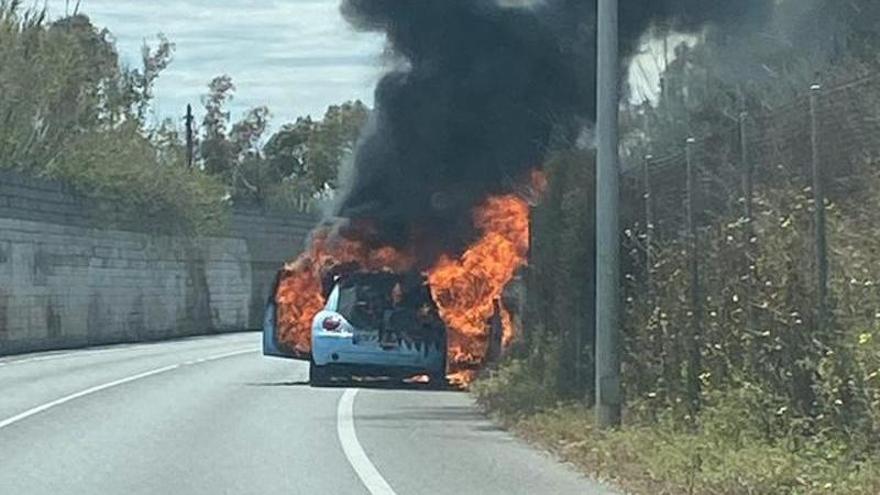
x,y
373,324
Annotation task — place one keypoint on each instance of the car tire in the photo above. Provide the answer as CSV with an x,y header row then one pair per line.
x,y
438,381
319,376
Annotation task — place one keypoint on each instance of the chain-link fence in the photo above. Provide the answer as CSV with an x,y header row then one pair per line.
x,y
737,249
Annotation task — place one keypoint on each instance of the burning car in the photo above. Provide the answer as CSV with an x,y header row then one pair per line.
x,y
394,310
373,324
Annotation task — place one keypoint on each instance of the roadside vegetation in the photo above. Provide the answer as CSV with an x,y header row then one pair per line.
x,y
71,110
764,399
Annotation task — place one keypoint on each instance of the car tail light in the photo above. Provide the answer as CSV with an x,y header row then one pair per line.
x,y
331,324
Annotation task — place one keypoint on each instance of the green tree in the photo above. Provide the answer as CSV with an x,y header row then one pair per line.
x,y
62,79
333,141
143,81
70,110
287,151
301,160
312,152
250,174
215,148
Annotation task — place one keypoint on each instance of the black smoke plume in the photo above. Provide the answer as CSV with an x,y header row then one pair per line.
x,y
482,90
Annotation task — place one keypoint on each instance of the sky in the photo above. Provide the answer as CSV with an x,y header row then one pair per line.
x,y
295,56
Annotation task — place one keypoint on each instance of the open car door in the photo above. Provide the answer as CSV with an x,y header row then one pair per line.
x,y
271,346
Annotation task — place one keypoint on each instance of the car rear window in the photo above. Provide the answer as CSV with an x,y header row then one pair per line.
x,y
363,299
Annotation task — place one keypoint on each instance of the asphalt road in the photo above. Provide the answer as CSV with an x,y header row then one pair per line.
x,y
212,416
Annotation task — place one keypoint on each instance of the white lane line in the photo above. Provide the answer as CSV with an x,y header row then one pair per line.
x,y
53,357
82,393
355,454
220,356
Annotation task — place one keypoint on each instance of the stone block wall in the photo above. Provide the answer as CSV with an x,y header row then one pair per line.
x,y
66,281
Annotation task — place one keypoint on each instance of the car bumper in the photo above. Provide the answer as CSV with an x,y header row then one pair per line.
x,y
340,349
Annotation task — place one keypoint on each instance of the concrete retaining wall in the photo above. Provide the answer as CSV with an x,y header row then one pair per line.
x,y
67,282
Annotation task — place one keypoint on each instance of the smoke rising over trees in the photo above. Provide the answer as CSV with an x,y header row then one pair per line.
x,y
481,90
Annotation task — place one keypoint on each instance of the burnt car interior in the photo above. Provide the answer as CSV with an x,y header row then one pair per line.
x,y
398,308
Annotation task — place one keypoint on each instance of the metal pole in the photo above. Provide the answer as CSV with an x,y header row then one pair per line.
x,y
608,400
748,168
694,364
749,192
649,226
528,284
819,199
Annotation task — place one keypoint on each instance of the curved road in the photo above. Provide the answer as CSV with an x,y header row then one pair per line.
x,y
212,416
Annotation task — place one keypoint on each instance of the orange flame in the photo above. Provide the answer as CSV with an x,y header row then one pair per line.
x,y
300,296
465,288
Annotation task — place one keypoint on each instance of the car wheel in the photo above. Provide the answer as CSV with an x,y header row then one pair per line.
x,y
438,381
438,377
319,376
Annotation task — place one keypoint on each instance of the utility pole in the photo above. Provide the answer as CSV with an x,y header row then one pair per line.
x,y
608,400
190,139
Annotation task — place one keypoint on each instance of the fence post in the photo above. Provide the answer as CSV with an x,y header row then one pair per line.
x,y
748,168
657,338
819,200
694,364
526,283
649,227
